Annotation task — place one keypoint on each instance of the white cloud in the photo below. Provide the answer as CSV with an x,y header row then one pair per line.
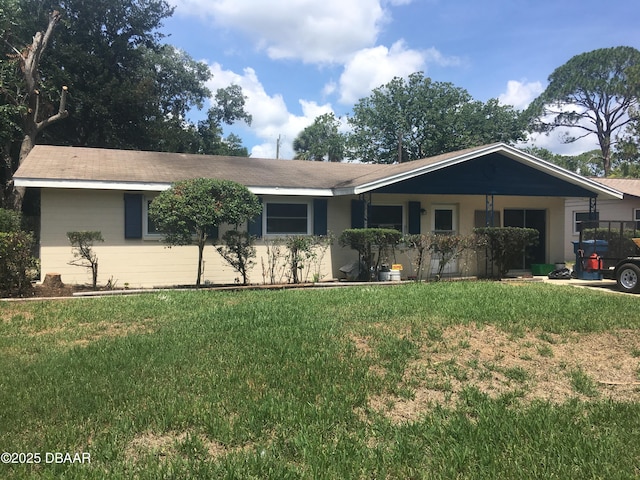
x,y
520,94
271,118
554,142
313,31
372,67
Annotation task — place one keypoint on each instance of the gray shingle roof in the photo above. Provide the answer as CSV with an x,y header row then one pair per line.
x,y
628,186
81,167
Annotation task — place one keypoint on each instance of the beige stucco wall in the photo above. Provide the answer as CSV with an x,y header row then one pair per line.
x,y
137,263
147,262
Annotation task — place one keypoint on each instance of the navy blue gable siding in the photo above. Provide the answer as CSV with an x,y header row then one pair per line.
x,y
357,213
132,215
319,216
492,174
254,226
415,211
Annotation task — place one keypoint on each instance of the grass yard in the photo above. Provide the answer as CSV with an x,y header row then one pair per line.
x,y
441,380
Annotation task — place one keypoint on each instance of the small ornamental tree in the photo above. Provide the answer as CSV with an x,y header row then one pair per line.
x,y
447,248
444,248
191,209
83,254
238,251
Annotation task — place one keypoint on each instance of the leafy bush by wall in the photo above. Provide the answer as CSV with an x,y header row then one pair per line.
x,y
505,244
17,263
374,245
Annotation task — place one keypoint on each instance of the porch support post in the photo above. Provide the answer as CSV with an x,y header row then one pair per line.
x,y
367,206
593,207
489,212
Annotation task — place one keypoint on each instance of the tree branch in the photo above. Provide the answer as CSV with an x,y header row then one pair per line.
x,y
62,112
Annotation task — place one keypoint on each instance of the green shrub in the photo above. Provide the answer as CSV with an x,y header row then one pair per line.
x,y
238,251
16,262
505,244
372,244
10,221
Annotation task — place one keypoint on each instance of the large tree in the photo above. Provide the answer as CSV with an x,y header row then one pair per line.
x,y
190,210
591,94
587,164
405,120
127,89
321,140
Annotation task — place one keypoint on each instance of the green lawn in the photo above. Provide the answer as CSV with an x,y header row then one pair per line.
x,y
440,380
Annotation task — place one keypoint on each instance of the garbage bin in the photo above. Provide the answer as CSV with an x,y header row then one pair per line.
x,y
588,247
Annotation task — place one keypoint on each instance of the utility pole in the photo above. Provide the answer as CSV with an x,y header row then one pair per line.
x,y
278,148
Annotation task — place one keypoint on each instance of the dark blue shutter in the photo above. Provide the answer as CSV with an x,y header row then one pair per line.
x,y
132,215
254,227
319,216
213,233
357,213
415,211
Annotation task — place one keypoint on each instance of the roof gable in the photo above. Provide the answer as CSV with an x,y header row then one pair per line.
x,y
491,174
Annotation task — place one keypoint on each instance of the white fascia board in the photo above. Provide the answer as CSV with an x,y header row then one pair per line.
x,y
292,191
91,185
159,187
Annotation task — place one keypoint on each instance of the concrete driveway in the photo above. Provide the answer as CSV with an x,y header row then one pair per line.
x,y
603,285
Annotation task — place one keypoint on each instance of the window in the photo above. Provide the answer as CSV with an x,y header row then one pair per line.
x,y
636,217
480,218
287,218
149,230
150,226
582,217
385,216
444,219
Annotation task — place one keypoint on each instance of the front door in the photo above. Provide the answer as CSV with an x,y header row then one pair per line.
x,y
529,219
444,220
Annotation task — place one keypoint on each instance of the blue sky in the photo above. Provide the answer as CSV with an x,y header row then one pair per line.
x,y
297,59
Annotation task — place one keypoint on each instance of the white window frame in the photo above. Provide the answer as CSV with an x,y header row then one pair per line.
x,y
402,214
146,199
454,217
268,202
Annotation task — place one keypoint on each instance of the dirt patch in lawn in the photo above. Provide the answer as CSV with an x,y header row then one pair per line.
x,y
82,334
174,444
525,368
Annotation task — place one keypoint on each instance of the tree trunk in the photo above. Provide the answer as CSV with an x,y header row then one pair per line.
x,y
201,244
30,62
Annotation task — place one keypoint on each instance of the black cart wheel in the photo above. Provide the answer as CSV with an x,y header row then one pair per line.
x,y
629,278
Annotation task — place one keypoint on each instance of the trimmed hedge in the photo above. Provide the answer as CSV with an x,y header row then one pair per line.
x,y
506,244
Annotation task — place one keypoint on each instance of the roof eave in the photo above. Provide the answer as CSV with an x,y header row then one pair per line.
x,y
159,187
90,184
